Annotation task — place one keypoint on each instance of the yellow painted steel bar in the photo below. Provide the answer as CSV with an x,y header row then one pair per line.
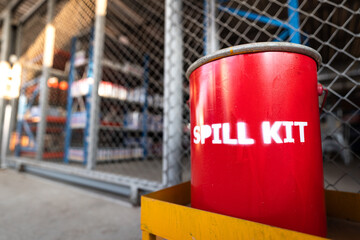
x,y
343,205
162,215
179,194
148,236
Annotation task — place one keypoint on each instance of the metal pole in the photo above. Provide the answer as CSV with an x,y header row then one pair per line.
x,y
99,36
5,45
173,94
14,101
294,21
69,101
13,109
211,42
145,107
44,91
6,133
5,50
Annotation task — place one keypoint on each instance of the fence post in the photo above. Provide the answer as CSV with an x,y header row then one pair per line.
x,y
13,101
173,94
211,42
99,38
5,46
44,91
5,50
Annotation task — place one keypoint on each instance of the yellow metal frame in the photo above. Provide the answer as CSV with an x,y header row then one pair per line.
x,y
165,214
343,205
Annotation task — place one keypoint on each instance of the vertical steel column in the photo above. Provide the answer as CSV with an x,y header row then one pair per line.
x,y
17,105
13,108
173,93
90,75
44,91
69,101
6,41
294,22
99,37
6,133
14,101
5,51
211,42
145,107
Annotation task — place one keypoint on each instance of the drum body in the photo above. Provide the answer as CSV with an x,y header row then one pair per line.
x,y
255,136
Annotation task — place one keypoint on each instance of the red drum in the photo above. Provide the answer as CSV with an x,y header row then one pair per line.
x,y
255,135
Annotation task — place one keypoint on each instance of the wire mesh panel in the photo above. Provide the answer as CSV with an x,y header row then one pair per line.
x,y
130,91
329,27
23,140
73,25
130,116
71,18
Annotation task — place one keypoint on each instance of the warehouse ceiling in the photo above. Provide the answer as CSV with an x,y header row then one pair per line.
x,y
20,7
126,11
3,4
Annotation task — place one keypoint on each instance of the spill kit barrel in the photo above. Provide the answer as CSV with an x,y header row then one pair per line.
x,y
255,135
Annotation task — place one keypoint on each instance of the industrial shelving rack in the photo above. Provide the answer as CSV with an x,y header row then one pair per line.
x,y
78,108
27,120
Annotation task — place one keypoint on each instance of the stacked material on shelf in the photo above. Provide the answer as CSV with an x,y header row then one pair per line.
x,y
81,87
115,91
111,90
78,120
107,154
134,121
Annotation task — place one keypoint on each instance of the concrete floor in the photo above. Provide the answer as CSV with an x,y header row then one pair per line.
x,y
36,208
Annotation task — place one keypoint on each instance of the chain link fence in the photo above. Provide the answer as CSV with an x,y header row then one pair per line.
x,y
330,27
128,115
43,28
29,52
142,135
131,90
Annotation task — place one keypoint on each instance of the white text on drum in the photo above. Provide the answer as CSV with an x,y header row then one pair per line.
x,y
270,133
